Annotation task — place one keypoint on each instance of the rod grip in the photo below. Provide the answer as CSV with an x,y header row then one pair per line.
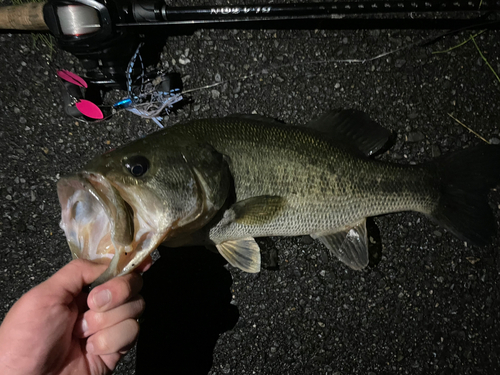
x,y
23,17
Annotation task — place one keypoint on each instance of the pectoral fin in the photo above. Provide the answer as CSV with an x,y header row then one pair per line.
x,y
349,245
258,210
243,254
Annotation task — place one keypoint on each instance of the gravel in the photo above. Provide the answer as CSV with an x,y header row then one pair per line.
x,y
427,304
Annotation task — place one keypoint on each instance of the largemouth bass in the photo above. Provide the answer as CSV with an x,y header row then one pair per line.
x,y
223,182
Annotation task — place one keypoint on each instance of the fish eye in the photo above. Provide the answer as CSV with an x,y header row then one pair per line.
x,y
136,165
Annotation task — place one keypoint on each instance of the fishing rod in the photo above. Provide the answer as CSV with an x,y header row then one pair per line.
x,y
120,13
105,34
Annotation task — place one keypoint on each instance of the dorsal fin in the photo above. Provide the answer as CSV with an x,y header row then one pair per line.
x,y
352,128
255,118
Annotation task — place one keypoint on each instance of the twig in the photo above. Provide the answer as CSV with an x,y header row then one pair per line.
x,y
484,58
460,44
466,127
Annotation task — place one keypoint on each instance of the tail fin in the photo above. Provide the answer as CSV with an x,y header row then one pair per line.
x,y
465,178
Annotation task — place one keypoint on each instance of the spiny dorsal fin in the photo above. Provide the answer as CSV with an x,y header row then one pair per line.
x,y
352,127
258,210
349,245
255,118
243,254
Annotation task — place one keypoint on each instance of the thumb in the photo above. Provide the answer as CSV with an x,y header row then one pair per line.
x,y
73,277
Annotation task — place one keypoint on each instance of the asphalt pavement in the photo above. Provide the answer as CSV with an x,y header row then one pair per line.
x,y
428,302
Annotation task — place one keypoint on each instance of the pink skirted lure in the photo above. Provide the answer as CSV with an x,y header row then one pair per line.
x,y
71,78
89,109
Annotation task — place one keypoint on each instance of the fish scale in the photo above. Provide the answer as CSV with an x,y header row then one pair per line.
x,y
325,187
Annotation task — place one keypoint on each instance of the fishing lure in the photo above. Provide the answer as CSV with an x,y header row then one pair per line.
x,y
149,96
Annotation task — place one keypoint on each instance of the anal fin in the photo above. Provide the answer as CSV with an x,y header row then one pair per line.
x,y
243,254
350,245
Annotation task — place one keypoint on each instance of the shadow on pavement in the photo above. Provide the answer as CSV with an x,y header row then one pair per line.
x,y
188,296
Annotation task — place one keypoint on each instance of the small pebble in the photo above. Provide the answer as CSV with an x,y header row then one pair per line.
x,y
415,137
215,94
495,141
184,60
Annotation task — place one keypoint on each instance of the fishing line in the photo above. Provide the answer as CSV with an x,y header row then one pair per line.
x,y
423,43
348,61
78,20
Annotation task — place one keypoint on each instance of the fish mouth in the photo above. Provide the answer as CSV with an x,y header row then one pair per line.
x,y
100,224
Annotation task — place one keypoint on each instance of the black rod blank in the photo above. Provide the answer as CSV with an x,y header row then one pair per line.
x,y
159,12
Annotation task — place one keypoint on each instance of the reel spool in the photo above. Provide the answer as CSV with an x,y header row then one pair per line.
x,y
78,20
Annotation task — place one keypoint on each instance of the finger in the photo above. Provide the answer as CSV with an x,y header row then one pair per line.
x,y
114,292
92,321
111,360
145,265
115,339
70,279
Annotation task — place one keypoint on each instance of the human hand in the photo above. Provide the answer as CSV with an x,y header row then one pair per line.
x,y
55,328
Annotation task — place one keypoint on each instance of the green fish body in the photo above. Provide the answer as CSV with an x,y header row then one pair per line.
x,y
230,180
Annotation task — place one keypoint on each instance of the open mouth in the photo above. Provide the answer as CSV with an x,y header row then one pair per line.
x,y
100,225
